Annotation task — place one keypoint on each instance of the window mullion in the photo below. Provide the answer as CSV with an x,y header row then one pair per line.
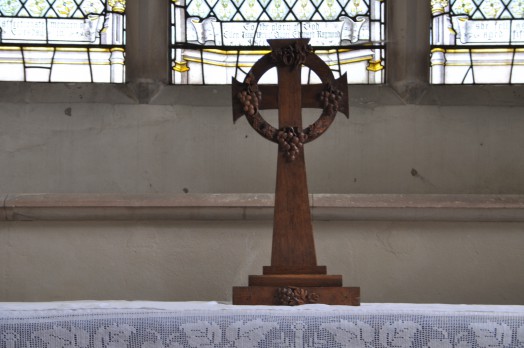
x,y
408,48
147,47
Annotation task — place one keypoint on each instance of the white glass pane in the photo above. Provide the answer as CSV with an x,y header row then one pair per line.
x,y
56,36
462,33
478,66
11,66
221,27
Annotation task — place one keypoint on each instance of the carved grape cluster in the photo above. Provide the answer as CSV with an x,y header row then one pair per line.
x,y
293,296
293,55
330,97
251,96
291,141
250,102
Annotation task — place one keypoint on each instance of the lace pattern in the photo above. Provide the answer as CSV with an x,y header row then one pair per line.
x,y
317,326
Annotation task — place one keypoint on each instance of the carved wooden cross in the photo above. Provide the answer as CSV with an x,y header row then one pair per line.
x,y
294,276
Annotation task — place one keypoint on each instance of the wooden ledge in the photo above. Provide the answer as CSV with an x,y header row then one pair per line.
x,y
325,207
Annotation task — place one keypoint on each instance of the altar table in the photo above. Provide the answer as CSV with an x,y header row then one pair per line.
x,y
138,324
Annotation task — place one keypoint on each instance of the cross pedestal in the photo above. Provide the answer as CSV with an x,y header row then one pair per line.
x,y
293,277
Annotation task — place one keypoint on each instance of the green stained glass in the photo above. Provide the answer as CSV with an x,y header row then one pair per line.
x,y
62,40
215,40
477,42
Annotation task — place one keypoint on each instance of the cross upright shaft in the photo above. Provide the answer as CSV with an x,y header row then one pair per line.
x,y
293,250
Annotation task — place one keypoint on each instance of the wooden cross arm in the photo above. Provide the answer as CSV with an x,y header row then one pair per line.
x,y
236,88
310,96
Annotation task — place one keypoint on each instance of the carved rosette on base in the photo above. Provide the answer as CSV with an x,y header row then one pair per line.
x,y
293,296
294,278
273,296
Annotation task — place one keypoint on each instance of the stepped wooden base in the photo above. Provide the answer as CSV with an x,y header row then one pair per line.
x,y
299,280
290,296
294,269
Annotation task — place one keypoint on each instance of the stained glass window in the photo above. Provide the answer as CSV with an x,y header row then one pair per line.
x,y
62,40
215,40
477,42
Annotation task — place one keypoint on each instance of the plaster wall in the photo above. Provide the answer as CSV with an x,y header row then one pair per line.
x,y
133,148
130,148
189,260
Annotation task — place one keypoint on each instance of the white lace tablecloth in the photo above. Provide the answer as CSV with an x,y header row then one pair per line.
x,y
138,324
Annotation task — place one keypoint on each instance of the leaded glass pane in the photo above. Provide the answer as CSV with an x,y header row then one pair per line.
x,y
477,42
62,40
215,40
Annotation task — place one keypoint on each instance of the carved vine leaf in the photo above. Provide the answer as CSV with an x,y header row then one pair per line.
x,y
317,128
293,296
293,55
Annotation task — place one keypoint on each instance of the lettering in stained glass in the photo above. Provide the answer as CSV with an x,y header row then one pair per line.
x,y
215,40
62,40
477,42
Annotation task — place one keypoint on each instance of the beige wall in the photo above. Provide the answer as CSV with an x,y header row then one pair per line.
x,y
192,260
148,138
119,148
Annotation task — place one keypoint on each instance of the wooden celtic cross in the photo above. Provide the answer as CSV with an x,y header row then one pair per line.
x,y
294,276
